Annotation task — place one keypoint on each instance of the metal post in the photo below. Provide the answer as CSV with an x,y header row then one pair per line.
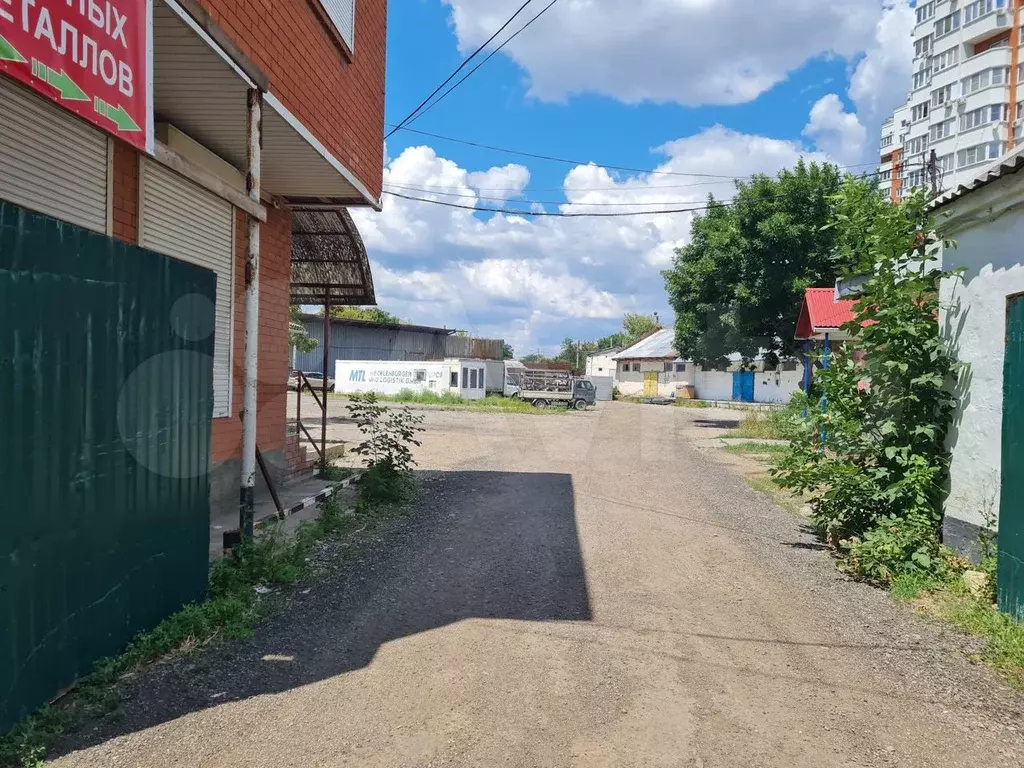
x,y
807,371
327,356
824,401
252,316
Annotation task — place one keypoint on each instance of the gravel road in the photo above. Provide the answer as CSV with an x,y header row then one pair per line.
x,y
589,590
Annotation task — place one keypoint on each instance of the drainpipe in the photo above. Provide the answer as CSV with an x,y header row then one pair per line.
x,y
252,316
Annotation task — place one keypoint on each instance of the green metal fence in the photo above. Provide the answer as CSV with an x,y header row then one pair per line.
x,y
106,393
1010,575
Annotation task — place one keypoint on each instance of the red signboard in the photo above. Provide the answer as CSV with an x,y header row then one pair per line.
x,y
93,57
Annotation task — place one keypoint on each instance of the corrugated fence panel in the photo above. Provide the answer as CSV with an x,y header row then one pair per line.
x,y
106,396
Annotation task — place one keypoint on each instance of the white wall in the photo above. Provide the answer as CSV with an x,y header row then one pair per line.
x,y
777,386
391,378
601,365
632,382
714,385
973,319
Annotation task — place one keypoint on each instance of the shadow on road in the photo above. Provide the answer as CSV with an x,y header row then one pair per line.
x,y
491,545
716,423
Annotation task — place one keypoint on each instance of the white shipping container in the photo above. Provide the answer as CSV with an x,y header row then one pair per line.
x,y
465,378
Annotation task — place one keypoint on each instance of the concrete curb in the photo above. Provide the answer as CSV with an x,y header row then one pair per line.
x,y
313,500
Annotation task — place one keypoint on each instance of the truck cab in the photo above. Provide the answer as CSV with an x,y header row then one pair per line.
x,y
511,388
583,391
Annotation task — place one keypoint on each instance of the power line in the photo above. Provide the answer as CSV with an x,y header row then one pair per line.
x,y
538,202
553,214
569,161
469,74
412,115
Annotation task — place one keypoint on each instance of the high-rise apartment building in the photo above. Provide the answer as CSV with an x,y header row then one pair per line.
x,y
964,109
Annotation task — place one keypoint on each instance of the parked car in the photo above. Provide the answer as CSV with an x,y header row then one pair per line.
x,y
315,378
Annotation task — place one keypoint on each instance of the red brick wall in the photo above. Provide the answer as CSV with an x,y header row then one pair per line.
x,y
340,102
126,193
275,271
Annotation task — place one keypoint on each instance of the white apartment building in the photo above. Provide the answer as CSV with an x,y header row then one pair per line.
x,y
963,110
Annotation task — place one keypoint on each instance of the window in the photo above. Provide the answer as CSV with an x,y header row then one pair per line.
x,y
940,130
420,374
942,95
885,175
636,367
454,383
919,112
343,14
916,178
922,78
667,368
887,141
918,145
979,80
925,12
979,8
922,46
945,162
680,367
979,153
945,60
982,116
625,367
947,24
465,377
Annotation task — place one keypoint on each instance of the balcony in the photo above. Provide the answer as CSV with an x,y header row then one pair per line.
x,y
984,27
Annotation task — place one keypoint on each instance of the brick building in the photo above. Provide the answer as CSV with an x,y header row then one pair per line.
x,y
243,117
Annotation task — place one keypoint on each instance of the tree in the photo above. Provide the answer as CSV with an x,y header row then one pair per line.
x,y
298,337
636,326
369,314
507,353
738,284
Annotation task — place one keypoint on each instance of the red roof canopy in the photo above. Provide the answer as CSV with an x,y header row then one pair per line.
x,y
821,312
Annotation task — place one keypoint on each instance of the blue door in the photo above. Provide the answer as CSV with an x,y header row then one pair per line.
x,y
743,386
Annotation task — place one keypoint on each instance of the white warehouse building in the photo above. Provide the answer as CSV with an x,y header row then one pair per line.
x,y
964,106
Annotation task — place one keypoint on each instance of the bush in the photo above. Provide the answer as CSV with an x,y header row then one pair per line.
x,y
874,460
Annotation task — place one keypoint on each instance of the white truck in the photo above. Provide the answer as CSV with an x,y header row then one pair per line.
x,y
544,388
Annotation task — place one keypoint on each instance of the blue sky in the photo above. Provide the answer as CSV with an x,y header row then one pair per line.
x,y
680,87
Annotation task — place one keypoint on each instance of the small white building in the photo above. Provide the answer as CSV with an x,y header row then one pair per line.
x,y
465,378
982,318
653,368
602,362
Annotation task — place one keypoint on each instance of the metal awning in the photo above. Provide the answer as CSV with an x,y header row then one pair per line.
x,y
200,88
329,261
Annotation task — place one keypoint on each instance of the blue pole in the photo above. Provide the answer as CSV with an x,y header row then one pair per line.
x,y
824,402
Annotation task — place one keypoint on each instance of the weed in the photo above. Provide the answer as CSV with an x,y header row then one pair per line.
x,y
771,424
683,402
333,473
910,586
761,449
1004,647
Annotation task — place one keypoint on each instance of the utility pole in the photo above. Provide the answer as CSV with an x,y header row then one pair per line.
x,y
932,166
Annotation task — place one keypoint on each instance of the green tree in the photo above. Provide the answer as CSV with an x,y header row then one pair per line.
x,y
636,326
738,284
298,337
507,353
369,314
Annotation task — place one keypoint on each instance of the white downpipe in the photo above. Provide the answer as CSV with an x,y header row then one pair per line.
x,y
252,314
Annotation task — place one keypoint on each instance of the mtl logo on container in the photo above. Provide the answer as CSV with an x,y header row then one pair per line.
x,y
357,375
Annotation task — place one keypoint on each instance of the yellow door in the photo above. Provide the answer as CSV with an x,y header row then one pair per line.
x,y
650,383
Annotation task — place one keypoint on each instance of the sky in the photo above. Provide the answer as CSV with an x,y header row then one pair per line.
x,y
690,94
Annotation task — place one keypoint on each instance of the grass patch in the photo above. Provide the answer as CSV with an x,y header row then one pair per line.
x,y
333,473
683,402
759,449
911,586
767,425
232,610
1004,637
454,402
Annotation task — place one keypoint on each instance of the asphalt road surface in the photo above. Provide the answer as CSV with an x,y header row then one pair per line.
x,y
577,590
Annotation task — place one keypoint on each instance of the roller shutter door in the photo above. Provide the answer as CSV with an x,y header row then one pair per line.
x,y
50,161
186,222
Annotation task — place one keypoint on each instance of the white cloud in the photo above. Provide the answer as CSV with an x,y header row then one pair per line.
x,y
687,51
877,86
499,184
544,278
836,131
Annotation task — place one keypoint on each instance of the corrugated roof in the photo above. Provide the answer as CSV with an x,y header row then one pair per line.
x,y
1004,166
821,309
658,346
